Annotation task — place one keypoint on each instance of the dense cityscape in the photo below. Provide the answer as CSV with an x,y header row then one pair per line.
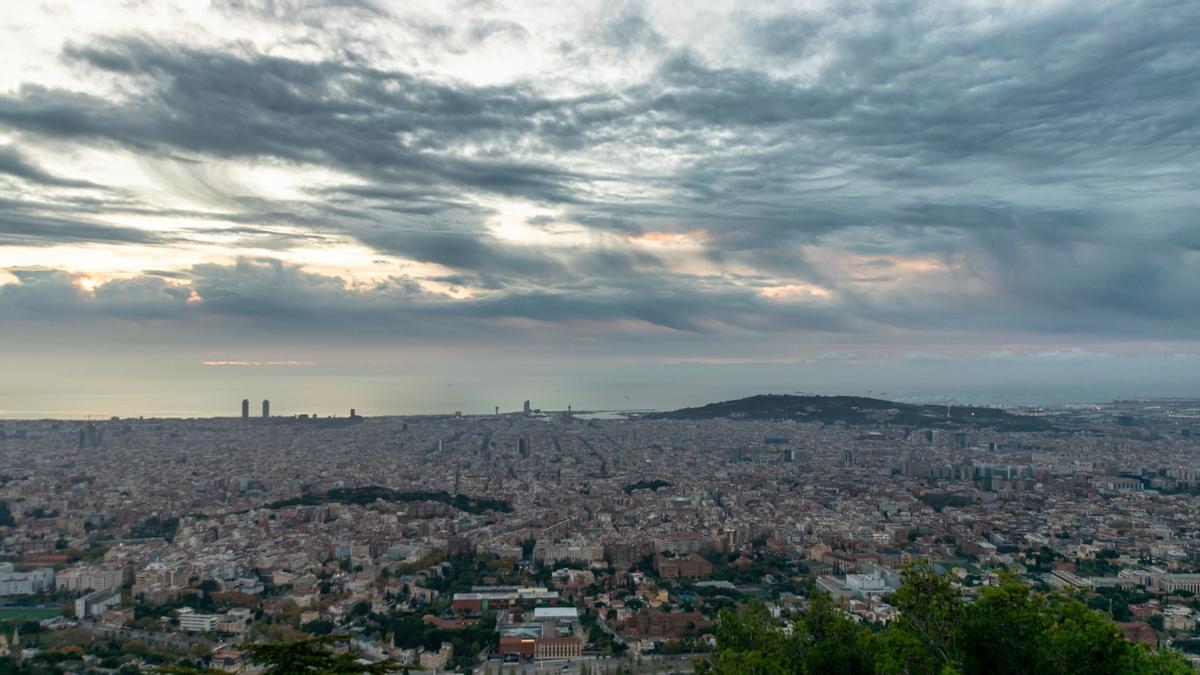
x,y
599,337
590,542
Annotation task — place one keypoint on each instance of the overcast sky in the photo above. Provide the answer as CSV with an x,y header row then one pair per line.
x,y
423,206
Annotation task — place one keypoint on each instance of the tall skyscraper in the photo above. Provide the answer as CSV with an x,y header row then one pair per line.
x,y
90,437
266,408
245,408
526,407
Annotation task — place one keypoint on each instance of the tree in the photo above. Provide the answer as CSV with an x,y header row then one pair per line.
x,y
1080,640
309,655
1000,631
833,642
1006,631
752,644
924,639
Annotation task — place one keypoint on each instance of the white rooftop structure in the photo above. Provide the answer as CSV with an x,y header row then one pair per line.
x,y
555,613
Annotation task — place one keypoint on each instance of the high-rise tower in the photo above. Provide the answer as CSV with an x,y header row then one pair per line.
x,y
245,408
266,408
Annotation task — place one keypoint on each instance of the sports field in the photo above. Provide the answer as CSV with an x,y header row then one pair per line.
x,y
36,613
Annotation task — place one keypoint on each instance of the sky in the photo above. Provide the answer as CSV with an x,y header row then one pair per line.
x,y
415,207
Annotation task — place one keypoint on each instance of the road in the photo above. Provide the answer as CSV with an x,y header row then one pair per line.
x,y
662,665
177,641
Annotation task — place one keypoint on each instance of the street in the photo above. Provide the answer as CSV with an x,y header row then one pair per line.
x,y
680,664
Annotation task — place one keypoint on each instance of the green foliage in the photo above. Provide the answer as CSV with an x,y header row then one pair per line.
x,y
833,642
923,638
154,527
652,485
825,640
1041,559
855,410
319,627
412,631
1099,567
310,655
371,493
940,500
751,643
1001,631
1006,631
599,638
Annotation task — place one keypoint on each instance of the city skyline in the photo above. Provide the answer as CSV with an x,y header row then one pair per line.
x,y
599,337
427,207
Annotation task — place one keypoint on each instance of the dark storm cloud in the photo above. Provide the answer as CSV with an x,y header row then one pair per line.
x,y
1042,154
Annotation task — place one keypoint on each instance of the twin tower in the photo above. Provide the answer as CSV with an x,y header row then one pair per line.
x,y
246,408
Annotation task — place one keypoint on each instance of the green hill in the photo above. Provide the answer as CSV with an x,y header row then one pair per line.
x,y
857,410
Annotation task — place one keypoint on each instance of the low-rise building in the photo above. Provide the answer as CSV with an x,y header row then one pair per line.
x,y
97,603
437,660
25,583
691,566
190,620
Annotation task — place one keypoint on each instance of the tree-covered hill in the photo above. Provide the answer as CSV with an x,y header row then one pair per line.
x,y
857,410
1007,630
369,494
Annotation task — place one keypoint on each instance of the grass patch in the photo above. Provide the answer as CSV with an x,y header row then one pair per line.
x,y
35,613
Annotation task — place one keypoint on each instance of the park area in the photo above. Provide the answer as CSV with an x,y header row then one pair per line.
x,y
30,613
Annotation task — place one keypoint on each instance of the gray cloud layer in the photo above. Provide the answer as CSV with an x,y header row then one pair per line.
x,y
1048,157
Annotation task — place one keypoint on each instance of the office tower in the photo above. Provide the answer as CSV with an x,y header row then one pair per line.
x,y
522,447
266,408
848,457
526,407
89,437
497,410
245,408
353,413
